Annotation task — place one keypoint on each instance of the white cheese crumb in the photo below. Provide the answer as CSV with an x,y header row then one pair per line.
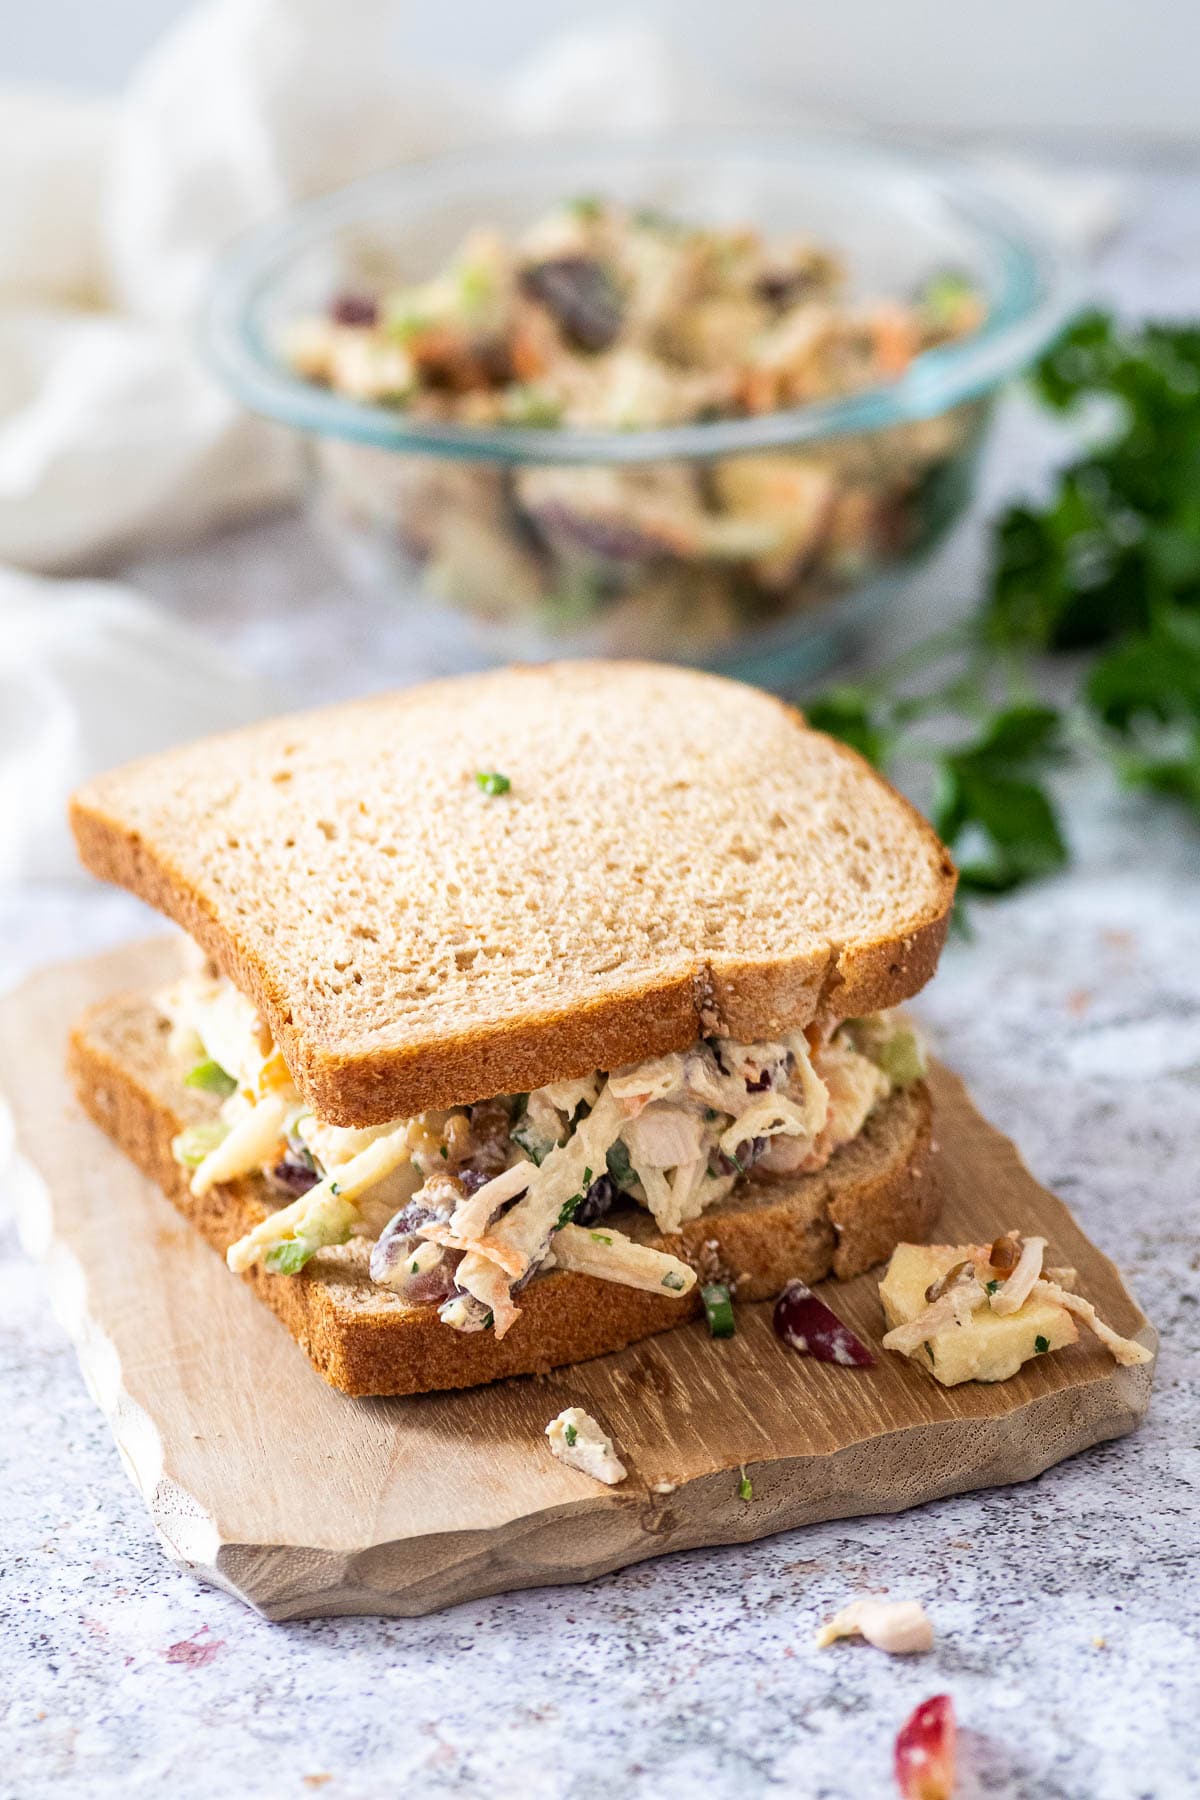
x,y
577,1440
663,1487
898,1626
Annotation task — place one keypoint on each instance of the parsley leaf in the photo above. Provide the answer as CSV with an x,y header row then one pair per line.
x,y
568,1210
852,714
1108,564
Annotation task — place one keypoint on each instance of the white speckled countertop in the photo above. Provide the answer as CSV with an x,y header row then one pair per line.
x,y
1065,1610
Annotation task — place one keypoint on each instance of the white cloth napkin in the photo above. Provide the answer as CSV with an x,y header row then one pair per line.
x,y
111,433
111,218
92,676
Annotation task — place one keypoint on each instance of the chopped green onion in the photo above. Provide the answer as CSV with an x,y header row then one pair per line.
x,y
745,1485
490,782
569,1209
289,1257
211,1077
1041,1345
718,1309
600,1237
991,1287
489,1321
570,1433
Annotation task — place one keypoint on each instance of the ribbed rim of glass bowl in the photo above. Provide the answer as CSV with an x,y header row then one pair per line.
x,y
1031,296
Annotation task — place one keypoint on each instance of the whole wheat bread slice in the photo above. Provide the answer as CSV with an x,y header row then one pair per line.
x,y
677,854
875,1192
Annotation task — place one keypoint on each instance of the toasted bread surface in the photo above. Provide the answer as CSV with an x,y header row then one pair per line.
x,y
876,1192
676,854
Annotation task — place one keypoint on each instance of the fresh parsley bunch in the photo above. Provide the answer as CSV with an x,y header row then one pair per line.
x,y
1109,567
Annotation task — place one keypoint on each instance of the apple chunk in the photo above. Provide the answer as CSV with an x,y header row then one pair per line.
x,y
987,1346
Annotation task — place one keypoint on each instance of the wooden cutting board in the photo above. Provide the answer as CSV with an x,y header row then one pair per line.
x,y
302,1502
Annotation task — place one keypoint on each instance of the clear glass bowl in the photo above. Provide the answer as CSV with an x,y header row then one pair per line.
x,y
438,512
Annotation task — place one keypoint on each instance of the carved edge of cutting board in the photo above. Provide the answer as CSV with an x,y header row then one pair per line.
x,y
577,1541
594,1537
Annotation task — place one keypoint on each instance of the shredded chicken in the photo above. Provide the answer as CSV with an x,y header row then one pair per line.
x,y
1012,1294
953,1308
611,1256
1124,1350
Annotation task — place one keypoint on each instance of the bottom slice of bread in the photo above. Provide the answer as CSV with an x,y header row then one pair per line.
x,y
874,1193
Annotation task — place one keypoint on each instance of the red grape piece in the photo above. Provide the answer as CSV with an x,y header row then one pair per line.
x,y
925,1751
805,1324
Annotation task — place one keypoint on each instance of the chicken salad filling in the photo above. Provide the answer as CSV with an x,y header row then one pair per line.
x,y
605,315
464,1206
614,318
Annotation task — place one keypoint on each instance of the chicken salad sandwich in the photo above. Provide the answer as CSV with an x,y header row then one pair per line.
x,y
519,1006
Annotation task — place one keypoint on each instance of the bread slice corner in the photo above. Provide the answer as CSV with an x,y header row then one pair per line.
x,y
876,1192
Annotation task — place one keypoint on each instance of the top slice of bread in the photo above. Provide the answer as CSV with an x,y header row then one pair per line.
x,y
677,854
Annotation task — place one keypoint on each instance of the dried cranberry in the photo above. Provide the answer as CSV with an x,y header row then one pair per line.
x,y
580,294
925,1751
473,1179
293,1175
353,309
806,1325
596,1201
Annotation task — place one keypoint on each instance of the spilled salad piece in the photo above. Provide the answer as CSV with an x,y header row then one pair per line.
x,y
579,1441
978,1312
606,317
464,1207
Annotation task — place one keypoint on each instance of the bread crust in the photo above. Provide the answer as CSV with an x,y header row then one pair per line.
x,y
876,1192
742,997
